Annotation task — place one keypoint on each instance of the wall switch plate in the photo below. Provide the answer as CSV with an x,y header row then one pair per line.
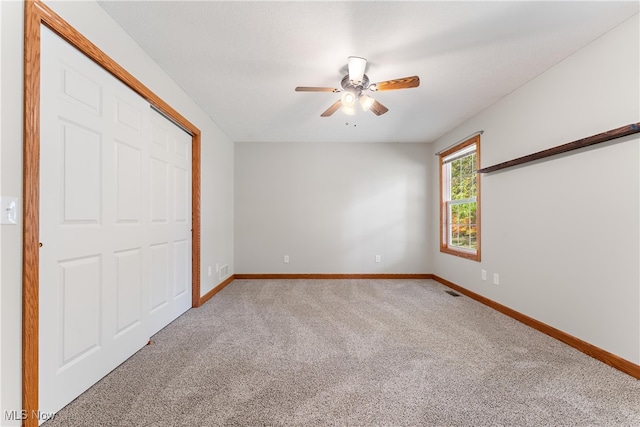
x,y
286,259
9,207
378,258
483,274
496,279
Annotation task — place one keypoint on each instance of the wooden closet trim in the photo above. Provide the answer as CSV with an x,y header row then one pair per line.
x,y
37,14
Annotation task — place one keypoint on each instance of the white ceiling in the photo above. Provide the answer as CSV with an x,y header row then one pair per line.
x,y
241,60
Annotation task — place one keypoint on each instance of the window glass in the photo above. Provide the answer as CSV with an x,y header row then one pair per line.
x,y
460,200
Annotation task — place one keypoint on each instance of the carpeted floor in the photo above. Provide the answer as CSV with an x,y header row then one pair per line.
x,y
354,353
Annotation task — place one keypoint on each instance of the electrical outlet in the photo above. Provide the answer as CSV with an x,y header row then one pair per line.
x,y
378,258
496,279
483,275
224,271
286,259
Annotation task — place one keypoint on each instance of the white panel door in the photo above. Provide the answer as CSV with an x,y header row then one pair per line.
x,y
170,224
115,224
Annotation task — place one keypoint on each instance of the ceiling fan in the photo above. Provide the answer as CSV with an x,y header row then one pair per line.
x,y
355,84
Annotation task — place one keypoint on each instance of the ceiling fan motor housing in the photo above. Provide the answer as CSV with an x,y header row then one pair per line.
x,y
348,85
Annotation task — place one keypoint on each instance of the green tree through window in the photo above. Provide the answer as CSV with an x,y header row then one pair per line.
x,y
463,191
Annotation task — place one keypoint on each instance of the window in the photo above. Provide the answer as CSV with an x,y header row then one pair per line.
x,y
460,199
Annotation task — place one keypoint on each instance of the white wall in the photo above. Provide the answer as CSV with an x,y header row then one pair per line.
x,y
332,208
562,233
217,163
11,145
1,382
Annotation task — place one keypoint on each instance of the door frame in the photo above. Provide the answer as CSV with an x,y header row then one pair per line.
x,y
36,14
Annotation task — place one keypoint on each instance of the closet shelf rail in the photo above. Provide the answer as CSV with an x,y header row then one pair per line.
x,y
574,145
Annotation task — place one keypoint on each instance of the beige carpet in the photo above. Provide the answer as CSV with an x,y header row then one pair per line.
x,y
354,353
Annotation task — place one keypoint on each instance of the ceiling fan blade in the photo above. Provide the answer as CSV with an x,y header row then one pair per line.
x,y
316,89
378,109
403,83
329,111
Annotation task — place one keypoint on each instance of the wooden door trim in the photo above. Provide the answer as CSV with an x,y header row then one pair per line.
x,y
37,14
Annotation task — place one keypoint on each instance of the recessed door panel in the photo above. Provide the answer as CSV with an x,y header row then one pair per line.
x,y
159,191
79,316
128,197
160,137
80,90
182,144
81,173
128,115
159,276
129,289
182,197
181,263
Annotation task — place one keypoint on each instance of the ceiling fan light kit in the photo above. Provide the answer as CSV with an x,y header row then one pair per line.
x,y
354,84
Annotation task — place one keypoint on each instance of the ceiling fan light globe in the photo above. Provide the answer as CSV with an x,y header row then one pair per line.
x,y
366,102
349,110
348,99
356,69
